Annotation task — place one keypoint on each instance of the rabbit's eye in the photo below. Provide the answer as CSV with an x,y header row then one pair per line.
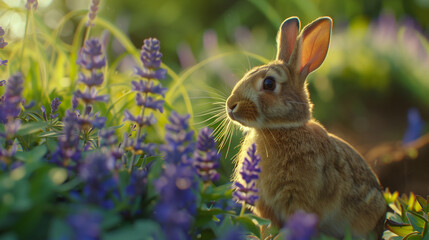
x,y
269,84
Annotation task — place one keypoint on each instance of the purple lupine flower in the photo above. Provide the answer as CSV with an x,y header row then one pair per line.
x,y
44,113
2,83
32,4
109,141
85,225
139,120
91,56
148,87
95,79
178,181
90,96
149,102
75,102
3,62
12,98
2,42
301,226
415,126
68,153
139,147
97,173
246,191
206,156
179,145
93,9
137,183
151,60
150,54
55,104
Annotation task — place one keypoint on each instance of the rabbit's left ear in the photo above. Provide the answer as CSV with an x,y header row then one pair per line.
x,y
286,38
312,45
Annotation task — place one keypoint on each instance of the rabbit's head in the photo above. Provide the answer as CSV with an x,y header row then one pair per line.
x,y
275,95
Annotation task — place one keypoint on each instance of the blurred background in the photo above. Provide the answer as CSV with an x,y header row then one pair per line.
x,y
372,90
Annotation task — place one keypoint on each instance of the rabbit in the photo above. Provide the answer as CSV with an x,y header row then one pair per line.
x,y
303,167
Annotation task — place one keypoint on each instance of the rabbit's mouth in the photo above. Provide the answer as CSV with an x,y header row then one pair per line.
x,y
243,113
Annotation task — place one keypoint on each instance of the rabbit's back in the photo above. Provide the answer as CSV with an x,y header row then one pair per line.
x,y
307,168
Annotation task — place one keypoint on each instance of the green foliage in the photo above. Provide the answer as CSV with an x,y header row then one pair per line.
x,y
409,219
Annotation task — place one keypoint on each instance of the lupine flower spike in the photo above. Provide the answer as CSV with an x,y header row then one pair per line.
x,y
32,4
2,45
147,91
206,156
90,58
177,184
246,191
93,9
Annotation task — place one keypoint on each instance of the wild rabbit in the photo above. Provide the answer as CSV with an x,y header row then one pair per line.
x,y
303,166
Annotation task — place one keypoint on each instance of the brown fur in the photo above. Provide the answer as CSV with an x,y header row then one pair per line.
x,y
303,166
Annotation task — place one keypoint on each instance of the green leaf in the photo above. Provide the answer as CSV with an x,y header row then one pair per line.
x,y
34,154
416,221
261,221
220,192
413,236
425,231
400,229
248,224
423,203
144,228
30,128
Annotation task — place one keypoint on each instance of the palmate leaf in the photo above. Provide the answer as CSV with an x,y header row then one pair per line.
x,y
30,128
418,222
399,229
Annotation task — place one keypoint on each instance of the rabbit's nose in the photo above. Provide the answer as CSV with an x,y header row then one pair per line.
x,y
232,107
232,103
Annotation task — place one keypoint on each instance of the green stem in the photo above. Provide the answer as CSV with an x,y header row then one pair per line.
x,y
243,208
27,20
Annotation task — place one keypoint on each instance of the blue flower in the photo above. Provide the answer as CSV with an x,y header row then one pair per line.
x,y
85,225
179,145
68,153
92,12
3,62
206,156
90,96
148,87
95,79
415,126
151,59
91,57
32,4
247,191
2,42
137,183
10,104
97,173
139,120
301,226
55,104
149,102
178,182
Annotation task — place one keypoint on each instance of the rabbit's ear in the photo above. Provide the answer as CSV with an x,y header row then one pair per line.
x,y
312,45
286,38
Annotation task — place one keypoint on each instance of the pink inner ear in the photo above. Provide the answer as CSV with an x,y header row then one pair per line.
x,y
315,45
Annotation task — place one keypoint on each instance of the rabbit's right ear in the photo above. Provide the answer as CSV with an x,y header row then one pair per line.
x,y
286,38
